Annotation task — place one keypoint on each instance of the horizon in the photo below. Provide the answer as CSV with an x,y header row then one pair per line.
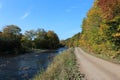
x,y
64,17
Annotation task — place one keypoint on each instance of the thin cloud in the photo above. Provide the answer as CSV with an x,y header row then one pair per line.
x,y
25,15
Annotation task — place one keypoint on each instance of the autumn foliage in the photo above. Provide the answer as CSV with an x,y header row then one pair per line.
x,y
101,29
110,8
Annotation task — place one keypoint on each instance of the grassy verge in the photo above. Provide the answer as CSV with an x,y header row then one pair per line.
x,y
63,68
104,56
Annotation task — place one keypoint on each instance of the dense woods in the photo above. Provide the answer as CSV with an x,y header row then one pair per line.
x,y
14,42
101,29
72,42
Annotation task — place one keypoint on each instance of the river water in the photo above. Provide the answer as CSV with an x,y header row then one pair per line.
x,y
25,67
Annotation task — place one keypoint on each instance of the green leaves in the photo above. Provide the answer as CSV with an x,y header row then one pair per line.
x,y
74,41
12,29
53,40
10,40
40,39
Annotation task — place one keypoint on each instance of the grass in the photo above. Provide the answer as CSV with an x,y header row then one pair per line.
x,y
63,67
104,56
108,58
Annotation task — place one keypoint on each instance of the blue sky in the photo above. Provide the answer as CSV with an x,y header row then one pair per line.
x,y
62,16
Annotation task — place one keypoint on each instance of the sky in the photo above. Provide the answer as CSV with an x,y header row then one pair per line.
x,y
64,17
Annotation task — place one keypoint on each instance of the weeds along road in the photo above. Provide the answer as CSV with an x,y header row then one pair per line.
x,y
95,68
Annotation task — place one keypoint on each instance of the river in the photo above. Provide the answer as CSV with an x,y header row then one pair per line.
x,y
25,67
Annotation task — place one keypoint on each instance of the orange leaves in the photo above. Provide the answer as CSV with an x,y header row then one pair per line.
x,y
110,8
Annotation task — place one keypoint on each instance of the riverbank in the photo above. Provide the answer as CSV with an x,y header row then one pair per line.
x,y
26,66
63,67
40,51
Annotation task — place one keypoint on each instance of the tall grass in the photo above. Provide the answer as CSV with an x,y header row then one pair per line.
x,y
63,67
109,55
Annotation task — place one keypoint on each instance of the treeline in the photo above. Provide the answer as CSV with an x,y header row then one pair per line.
x,y
72,42
101,29
14,42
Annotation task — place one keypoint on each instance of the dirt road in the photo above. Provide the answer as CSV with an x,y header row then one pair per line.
x,y
95,68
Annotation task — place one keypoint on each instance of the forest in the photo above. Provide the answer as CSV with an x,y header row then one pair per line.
x,y
100,29
12,41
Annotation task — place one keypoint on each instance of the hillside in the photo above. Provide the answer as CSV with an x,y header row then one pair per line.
x,y
100,30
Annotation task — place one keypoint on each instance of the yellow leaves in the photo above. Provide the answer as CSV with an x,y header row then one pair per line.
x,y
94,11
23,38
118,29
116,35
50,33
103,26
82,42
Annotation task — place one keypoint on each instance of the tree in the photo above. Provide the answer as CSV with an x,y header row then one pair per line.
x,y
74,41
113,32
40,33
10,39
12,29
41,39
30,35
28,39
100,29
53,40
111,16
110,8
